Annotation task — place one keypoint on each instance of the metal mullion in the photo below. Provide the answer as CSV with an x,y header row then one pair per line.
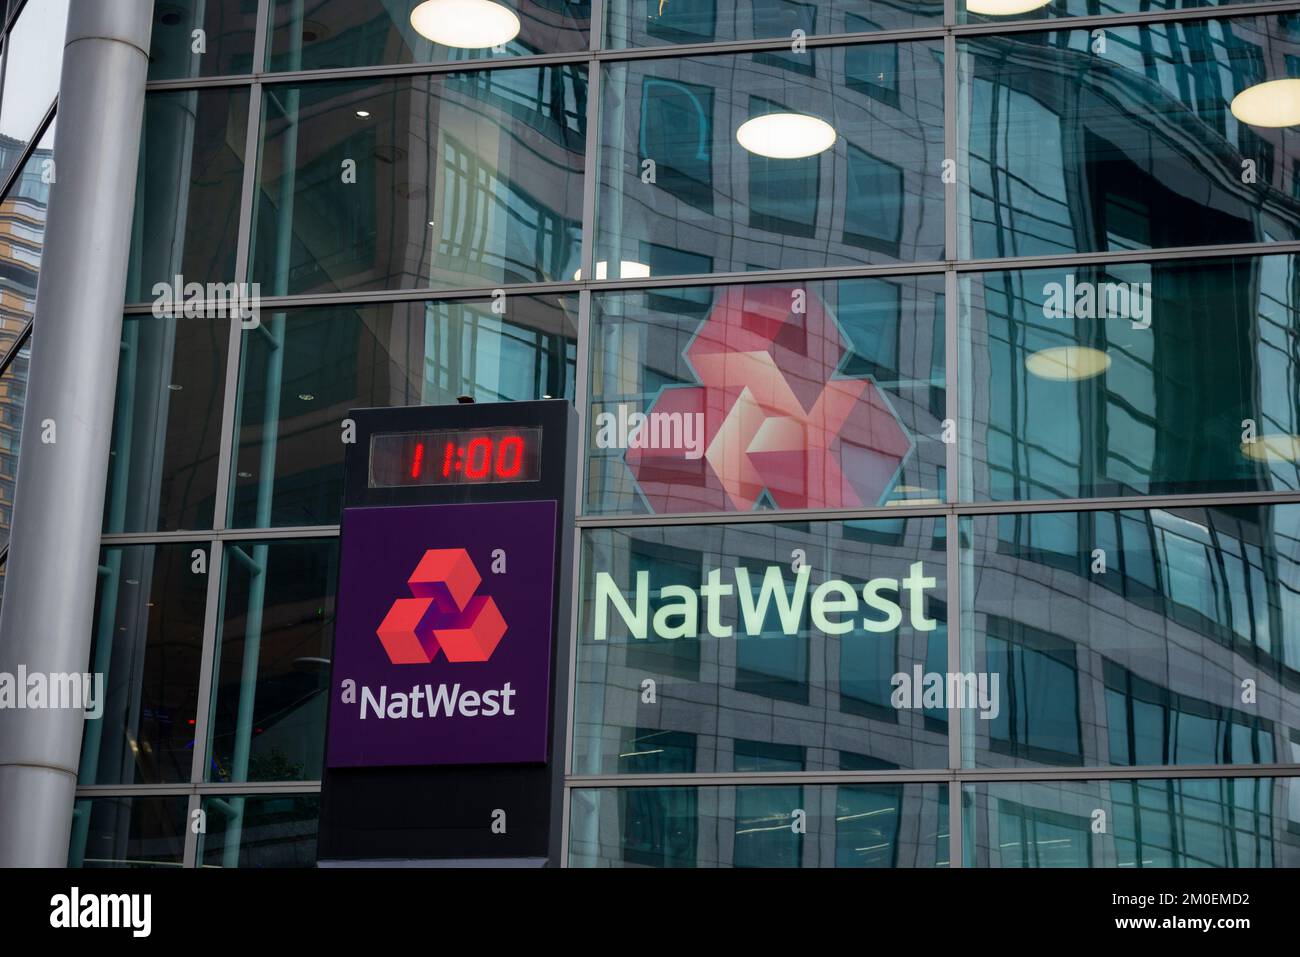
x,y
939,776
1216,251
190,854
224,535
91,791
207,660
261,37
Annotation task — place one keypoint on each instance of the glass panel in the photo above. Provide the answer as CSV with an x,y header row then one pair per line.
x,y
22,239
1191,822
680,194
305,368
1081,145
128,832
1002,11
648,23
459,179
700,648
224,47
187,191
273,656
260,830
33,59
13,397
853,825
337,34
1136,379
732,398
147,644
1125,638
162,471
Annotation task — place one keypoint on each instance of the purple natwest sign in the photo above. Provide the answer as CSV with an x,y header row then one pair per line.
x,y
442,650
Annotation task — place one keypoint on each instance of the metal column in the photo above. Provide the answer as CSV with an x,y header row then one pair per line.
x,y
59,499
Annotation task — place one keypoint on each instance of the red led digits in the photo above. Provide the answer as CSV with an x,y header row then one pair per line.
x,y
418,464
511,449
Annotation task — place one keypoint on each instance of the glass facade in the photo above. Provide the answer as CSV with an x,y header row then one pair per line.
x,y
938,372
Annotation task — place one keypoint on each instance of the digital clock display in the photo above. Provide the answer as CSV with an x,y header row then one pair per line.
x,y
455,457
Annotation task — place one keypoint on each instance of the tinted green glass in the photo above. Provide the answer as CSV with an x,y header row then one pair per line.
x,y
162,472
1127,638
458,179
305,368
136,831
853,825
147,644
1133,379
193,38
259,830
272,663
1078,143
679,193
701,649
187,190
1195,822
337,34
648,23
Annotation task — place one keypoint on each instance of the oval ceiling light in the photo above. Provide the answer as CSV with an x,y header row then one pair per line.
x,y
786,135
1272,104
465,24
1278,447
1003,8
1068,363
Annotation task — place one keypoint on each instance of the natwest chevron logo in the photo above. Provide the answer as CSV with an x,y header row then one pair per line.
x,y
445,613
780,424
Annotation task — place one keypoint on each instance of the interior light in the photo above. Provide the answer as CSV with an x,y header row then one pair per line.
x,y
1278,447
786,135
363,113
627,269
465,24
1272,104
1068,363
1003,8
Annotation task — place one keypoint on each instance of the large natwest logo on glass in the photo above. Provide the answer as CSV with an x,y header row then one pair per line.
x,y
445,616
775,418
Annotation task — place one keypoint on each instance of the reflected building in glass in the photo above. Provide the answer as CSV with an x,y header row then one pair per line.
x,y
938,378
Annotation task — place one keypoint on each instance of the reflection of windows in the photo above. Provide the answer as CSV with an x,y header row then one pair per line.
x,y
866,825
1039,685
659,826
676,133
650,751
873,206
868,663
1037,837
871,314
764,836
772,663
782,192
497,228
681,21
1149,724
667,566
781,18
1213,822
872,68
